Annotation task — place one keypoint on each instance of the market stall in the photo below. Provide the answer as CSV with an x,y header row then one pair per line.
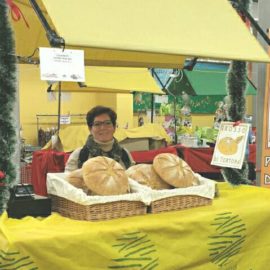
x,y
224,235
227,233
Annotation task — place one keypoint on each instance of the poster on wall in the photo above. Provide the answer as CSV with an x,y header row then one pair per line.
x,y
198,104
231,144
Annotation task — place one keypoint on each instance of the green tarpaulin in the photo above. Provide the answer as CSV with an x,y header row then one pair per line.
x,y
204,83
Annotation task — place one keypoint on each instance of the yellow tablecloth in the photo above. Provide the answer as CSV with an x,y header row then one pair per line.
x,y
232,233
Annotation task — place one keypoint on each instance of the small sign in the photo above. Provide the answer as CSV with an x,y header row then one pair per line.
x,y
65,119
61,65
231,145
161,99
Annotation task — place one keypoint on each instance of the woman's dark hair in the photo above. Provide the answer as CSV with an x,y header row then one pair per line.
x,y
98,110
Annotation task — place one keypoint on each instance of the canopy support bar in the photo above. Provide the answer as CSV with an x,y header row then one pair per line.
x,y
53,38
246,14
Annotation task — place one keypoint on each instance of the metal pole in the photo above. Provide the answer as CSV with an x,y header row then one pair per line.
x,y
152,107
59,106
175,121
53,38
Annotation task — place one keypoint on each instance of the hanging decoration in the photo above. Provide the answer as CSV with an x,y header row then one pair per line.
x,y
16,12
236,87
8,82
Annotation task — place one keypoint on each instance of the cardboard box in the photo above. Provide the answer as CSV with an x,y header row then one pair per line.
x,y
156,144
140,144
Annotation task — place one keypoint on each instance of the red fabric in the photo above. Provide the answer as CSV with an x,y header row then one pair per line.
x,y
199,159
252,153
148,156
45,161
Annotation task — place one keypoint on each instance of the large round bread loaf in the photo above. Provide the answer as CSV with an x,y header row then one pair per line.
x,y
174,170
146,175
105,176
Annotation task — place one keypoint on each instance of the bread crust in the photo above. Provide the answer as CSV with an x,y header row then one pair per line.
x,y
105,176
174,170
146,175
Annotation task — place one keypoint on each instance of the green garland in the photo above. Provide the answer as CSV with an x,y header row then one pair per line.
x,y
8,82
236,87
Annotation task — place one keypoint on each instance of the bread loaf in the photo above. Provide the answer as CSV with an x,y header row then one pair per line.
x,y
75,178
174,170
105,176
146,175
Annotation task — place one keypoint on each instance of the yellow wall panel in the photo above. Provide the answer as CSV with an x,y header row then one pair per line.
x,y
34,100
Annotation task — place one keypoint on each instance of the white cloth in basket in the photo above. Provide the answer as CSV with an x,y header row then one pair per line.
x,y
59,186
206,189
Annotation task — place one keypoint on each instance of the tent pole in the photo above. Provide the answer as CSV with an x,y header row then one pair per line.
x,y
59,106
152,107
53,38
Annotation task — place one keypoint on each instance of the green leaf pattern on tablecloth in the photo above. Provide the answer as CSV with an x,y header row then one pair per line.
x,y
136,251
14,260
227,240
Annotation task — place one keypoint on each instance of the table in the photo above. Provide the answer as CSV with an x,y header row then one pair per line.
x,y
199,159
229,234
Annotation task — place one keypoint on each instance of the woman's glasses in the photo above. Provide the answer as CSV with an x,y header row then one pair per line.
x,y
99,124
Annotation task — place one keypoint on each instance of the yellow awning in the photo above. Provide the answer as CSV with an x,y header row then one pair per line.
x,y
28,39
152,33
206,29
115,79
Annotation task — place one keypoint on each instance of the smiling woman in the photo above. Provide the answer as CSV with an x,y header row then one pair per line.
x,y
101,123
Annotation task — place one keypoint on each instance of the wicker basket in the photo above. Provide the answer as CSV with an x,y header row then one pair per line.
x,y
26,173
183,198
178,203
103,211
74,203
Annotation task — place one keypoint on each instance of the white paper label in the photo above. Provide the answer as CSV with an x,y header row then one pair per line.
x,y
65,119
161,99
61,65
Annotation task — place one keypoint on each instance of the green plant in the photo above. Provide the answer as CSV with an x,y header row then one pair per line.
x,y
236,87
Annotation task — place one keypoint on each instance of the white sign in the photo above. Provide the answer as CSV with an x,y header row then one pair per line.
x,y
161,99
61,65
65,119
231,145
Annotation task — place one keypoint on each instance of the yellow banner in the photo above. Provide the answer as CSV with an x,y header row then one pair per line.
x,y
229,234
